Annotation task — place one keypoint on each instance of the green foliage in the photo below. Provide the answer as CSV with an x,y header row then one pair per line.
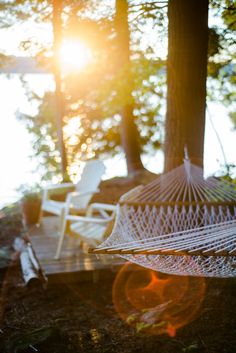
x,y
227,171
44,136
94,97
30,192
222,55
143,324
214,45
191,348
25,341
15,11
233,118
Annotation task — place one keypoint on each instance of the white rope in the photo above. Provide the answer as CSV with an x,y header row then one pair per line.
x,y
177,240
205,190
179,212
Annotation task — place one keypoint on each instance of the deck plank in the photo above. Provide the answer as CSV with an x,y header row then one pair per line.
x,y
74,259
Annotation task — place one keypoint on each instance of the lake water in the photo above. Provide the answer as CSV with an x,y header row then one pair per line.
x,y
15,143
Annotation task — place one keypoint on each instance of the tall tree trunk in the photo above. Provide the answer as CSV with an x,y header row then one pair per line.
x,y
186,81
129,132
59,99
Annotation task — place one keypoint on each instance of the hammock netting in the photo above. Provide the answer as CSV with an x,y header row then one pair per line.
x,y
180,223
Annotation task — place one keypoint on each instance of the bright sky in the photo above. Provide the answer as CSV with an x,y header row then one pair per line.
x,y
15,144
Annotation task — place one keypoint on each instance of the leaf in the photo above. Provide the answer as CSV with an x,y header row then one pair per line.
x,y
20,341
191,348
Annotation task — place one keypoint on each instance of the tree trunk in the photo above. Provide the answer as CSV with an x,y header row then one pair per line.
x,y
59,101
129,132
186,81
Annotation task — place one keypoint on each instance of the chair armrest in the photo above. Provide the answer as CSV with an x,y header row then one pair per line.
x,y
73,194
101,208
59,186
81,219
50,189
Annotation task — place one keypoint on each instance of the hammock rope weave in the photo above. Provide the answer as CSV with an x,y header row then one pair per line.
x,y
179,224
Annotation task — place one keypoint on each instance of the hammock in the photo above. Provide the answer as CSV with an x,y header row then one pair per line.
x,y
179,224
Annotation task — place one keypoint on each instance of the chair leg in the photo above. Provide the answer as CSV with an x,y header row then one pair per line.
x,y
62,235
40,218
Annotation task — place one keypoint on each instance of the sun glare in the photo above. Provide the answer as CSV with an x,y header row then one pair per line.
x,y
74,55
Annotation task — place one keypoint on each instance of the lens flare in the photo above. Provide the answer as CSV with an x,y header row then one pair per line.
x,y
155,303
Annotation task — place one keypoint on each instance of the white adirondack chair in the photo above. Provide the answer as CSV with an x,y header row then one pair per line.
x,y
78,199
90,228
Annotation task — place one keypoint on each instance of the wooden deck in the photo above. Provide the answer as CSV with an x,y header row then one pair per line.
x,y
75,263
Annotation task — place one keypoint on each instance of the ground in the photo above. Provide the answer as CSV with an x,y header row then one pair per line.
x,y
81,317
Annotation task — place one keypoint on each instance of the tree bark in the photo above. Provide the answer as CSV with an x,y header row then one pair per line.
x,y
186,81
129,132
59,99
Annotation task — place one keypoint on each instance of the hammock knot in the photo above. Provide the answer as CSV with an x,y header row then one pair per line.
x,y
221,210
213,210
154,210
176,211
187,166
139,210
161,211
190,209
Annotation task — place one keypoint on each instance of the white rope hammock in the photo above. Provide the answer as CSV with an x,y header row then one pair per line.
x,y
179,224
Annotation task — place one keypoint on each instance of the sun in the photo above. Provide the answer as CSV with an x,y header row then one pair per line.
x,y
74,55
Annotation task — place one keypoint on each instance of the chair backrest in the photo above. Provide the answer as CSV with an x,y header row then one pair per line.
x,y
89,181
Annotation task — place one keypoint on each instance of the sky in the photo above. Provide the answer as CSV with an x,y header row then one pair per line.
x,y
15,143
